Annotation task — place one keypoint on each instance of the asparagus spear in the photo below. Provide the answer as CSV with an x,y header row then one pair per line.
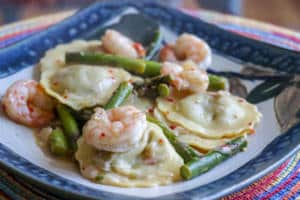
x,y
152,69
131,65
119,96
58,143
185,151
216,83
198,166
69,125
158,79
163,90
138,66
153,87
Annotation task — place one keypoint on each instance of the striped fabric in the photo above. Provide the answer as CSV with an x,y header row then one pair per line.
x,y
283,183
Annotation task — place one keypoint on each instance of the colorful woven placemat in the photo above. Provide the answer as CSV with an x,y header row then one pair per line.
x,y
283,183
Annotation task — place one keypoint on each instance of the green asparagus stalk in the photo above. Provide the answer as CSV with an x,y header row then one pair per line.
x,y
152,69
69,125
137,66
119,96
58,143
153,87
131,65
186,152
201,165
157,80
163,90
216,83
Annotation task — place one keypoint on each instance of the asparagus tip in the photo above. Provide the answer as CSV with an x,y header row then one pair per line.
x,y
163,90
185,172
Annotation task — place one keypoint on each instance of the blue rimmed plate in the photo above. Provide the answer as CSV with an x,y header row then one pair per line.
x,y
276,138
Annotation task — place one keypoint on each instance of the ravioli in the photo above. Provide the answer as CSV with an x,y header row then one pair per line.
x,y
140,103
211,114
79,86
185,136
202,144
152,162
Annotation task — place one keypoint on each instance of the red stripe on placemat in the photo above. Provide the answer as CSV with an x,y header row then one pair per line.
x,y
258,187
8,36
284,184
290,37
293,191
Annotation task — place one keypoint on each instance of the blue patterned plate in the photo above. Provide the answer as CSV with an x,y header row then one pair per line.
x,y
263,73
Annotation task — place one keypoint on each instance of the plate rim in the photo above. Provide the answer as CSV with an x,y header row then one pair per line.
x,y
54,189
47,185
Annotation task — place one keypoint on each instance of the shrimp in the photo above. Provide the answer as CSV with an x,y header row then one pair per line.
x,y
115,130
116,43
167,53
187,47
186,77
26,102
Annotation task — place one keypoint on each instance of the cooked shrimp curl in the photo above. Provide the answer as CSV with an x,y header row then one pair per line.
x,y
115,130
187,47
118,44
186,76
26,102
